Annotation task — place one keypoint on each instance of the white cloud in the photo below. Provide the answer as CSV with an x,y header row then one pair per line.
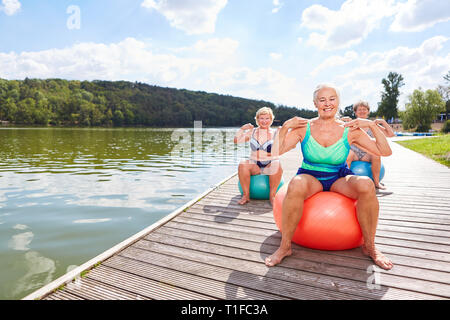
x,y
275,55
334,61
277,6
416,15
10,7
261,84
191,16
422,66
347,26
129,59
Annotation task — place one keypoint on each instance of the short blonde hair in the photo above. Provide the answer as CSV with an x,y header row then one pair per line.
x,y
264,110
361,103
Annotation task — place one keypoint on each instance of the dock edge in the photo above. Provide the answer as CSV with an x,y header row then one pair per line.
x,y
75,273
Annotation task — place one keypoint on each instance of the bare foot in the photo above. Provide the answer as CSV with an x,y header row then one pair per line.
x,y
277,256
380,186
380,259
244,200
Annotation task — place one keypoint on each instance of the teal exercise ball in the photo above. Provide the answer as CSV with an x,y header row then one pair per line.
x,y
363,168
259,187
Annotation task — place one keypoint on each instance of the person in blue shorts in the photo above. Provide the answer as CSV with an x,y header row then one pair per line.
x,y
325,144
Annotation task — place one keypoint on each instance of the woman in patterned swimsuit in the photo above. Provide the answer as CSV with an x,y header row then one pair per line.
x,y
324,169
261,162
362,109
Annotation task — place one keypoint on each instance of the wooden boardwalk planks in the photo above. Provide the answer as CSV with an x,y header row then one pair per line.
x,y
215,249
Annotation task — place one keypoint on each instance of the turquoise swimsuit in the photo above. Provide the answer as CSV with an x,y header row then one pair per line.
x,y
326,164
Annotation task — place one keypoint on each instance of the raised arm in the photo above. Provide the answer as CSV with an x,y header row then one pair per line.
x,y
289,135
244,133
378,146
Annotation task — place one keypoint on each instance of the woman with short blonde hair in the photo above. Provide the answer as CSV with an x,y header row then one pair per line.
x,y
261,161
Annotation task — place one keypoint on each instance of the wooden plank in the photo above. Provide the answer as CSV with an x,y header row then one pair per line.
x,y
180,279
237,284
242,215
90,289
275,240
358,262
143,286
441,237
325,281
311,266
238,240
62,295
393,238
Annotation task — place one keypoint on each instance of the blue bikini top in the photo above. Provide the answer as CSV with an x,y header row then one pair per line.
x,y
266,146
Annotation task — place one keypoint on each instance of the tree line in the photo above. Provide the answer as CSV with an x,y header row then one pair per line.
x,y
59,102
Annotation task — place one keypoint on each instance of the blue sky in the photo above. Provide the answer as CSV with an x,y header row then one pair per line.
x,y
274,50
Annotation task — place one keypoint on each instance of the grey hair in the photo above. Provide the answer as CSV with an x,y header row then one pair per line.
x,y
324,85
360,103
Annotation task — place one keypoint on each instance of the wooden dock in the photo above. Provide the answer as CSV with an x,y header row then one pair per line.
x,y
213,248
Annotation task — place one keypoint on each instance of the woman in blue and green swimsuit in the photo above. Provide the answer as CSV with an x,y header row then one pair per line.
x,y
325,143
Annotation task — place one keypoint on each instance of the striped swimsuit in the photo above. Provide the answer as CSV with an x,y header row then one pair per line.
x,y
266,146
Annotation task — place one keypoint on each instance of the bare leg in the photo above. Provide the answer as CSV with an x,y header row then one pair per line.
x,y
300,188
245,170
367,209
376,167
351,157
275,173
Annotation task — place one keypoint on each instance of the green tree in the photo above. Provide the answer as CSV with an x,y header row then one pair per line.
x,y
422,109
25,110
8,110
387,108
348,112
118,118
444,91
447,76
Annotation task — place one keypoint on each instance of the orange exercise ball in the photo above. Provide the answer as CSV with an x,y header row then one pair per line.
x,y
328,221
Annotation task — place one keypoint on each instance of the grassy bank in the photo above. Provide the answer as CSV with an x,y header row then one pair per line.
x,y
436,148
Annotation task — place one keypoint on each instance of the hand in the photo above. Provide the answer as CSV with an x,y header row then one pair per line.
x,y
381,122
296,122
247,126
346,119
359,123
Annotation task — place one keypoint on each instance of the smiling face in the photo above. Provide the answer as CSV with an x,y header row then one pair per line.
x,y
362,112
327,103
264,120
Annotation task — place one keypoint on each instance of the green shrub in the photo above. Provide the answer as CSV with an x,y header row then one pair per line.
x,y
446,127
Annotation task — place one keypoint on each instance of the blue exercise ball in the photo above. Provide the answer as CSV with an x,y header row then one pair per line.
x,y
259,187
363,168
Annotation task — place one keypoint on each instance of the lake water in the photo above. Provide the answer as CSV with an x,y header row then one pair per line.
x,y
67,195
